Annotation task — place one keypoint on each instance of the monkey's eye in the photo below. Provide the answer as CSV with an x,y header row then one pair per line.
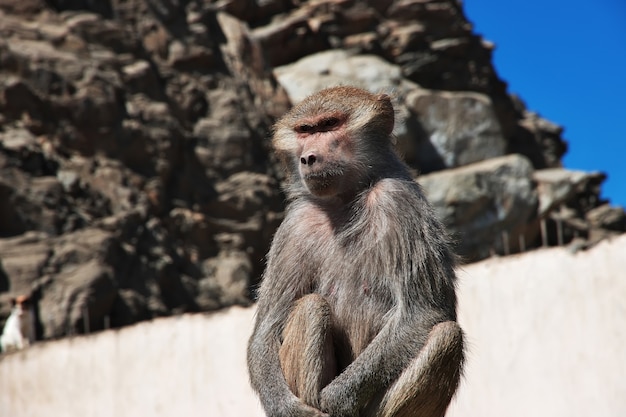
x,y
330,122
304,128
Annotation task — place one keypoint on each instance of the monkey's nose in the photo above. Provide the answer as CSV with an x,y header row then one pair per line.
x,y
309,160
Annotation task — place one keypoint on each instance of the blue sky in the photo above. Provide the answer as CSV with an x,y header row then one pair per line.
x,y
567,61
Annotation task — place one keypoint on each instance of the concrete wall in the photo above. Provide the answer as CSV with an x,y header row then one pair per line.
x,y
191,365
546,333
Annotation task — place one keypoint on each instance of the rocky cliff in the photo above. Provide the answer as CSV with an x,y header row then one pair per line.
x,y
135,175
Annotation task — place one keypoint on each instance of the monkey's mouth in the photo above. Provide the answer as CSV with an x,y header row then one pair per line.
x,y
320,181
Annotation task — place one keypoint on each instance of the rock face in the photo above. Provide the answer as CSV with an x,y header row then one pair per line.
x,y
135,175
482,202
455,129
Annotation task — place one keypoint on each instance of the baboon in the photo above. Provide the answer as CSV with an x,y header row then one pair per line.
x,y
357,307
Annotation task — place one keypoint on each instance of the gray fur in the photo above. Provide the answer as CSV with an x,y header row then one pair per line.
x,y
381,261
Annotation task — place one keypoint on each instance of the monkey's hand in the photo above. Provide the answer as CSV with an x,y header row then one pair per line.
x,y
295,407
338,403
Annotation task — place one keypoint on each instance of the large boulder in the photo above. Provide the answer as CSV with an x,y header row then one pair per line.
x,y
571,209
338,67
453,129
557,186
486,205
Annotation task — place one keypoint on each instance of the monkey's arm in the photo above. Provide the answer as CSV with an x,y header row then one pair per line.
x,y
266,374
278,291
377,366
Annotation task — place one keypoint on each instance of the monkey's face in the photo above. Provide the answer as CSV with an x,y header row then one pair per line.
x,y
323,150
332,137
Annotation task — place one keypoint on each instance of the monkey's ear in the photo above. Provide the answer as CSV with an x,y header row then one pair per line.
x,y
283,140
387,113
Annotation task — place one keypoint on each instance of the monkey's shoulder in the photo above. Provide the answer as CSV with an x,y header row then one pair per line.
x,y
304,224
394,196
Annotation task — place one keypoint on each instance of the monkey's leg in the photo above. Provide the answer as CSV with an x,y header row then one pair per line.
x,y
426,386
307,355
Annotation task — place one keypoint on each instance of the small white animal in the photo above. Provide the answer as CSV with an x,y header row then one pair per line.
x,y
19,329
